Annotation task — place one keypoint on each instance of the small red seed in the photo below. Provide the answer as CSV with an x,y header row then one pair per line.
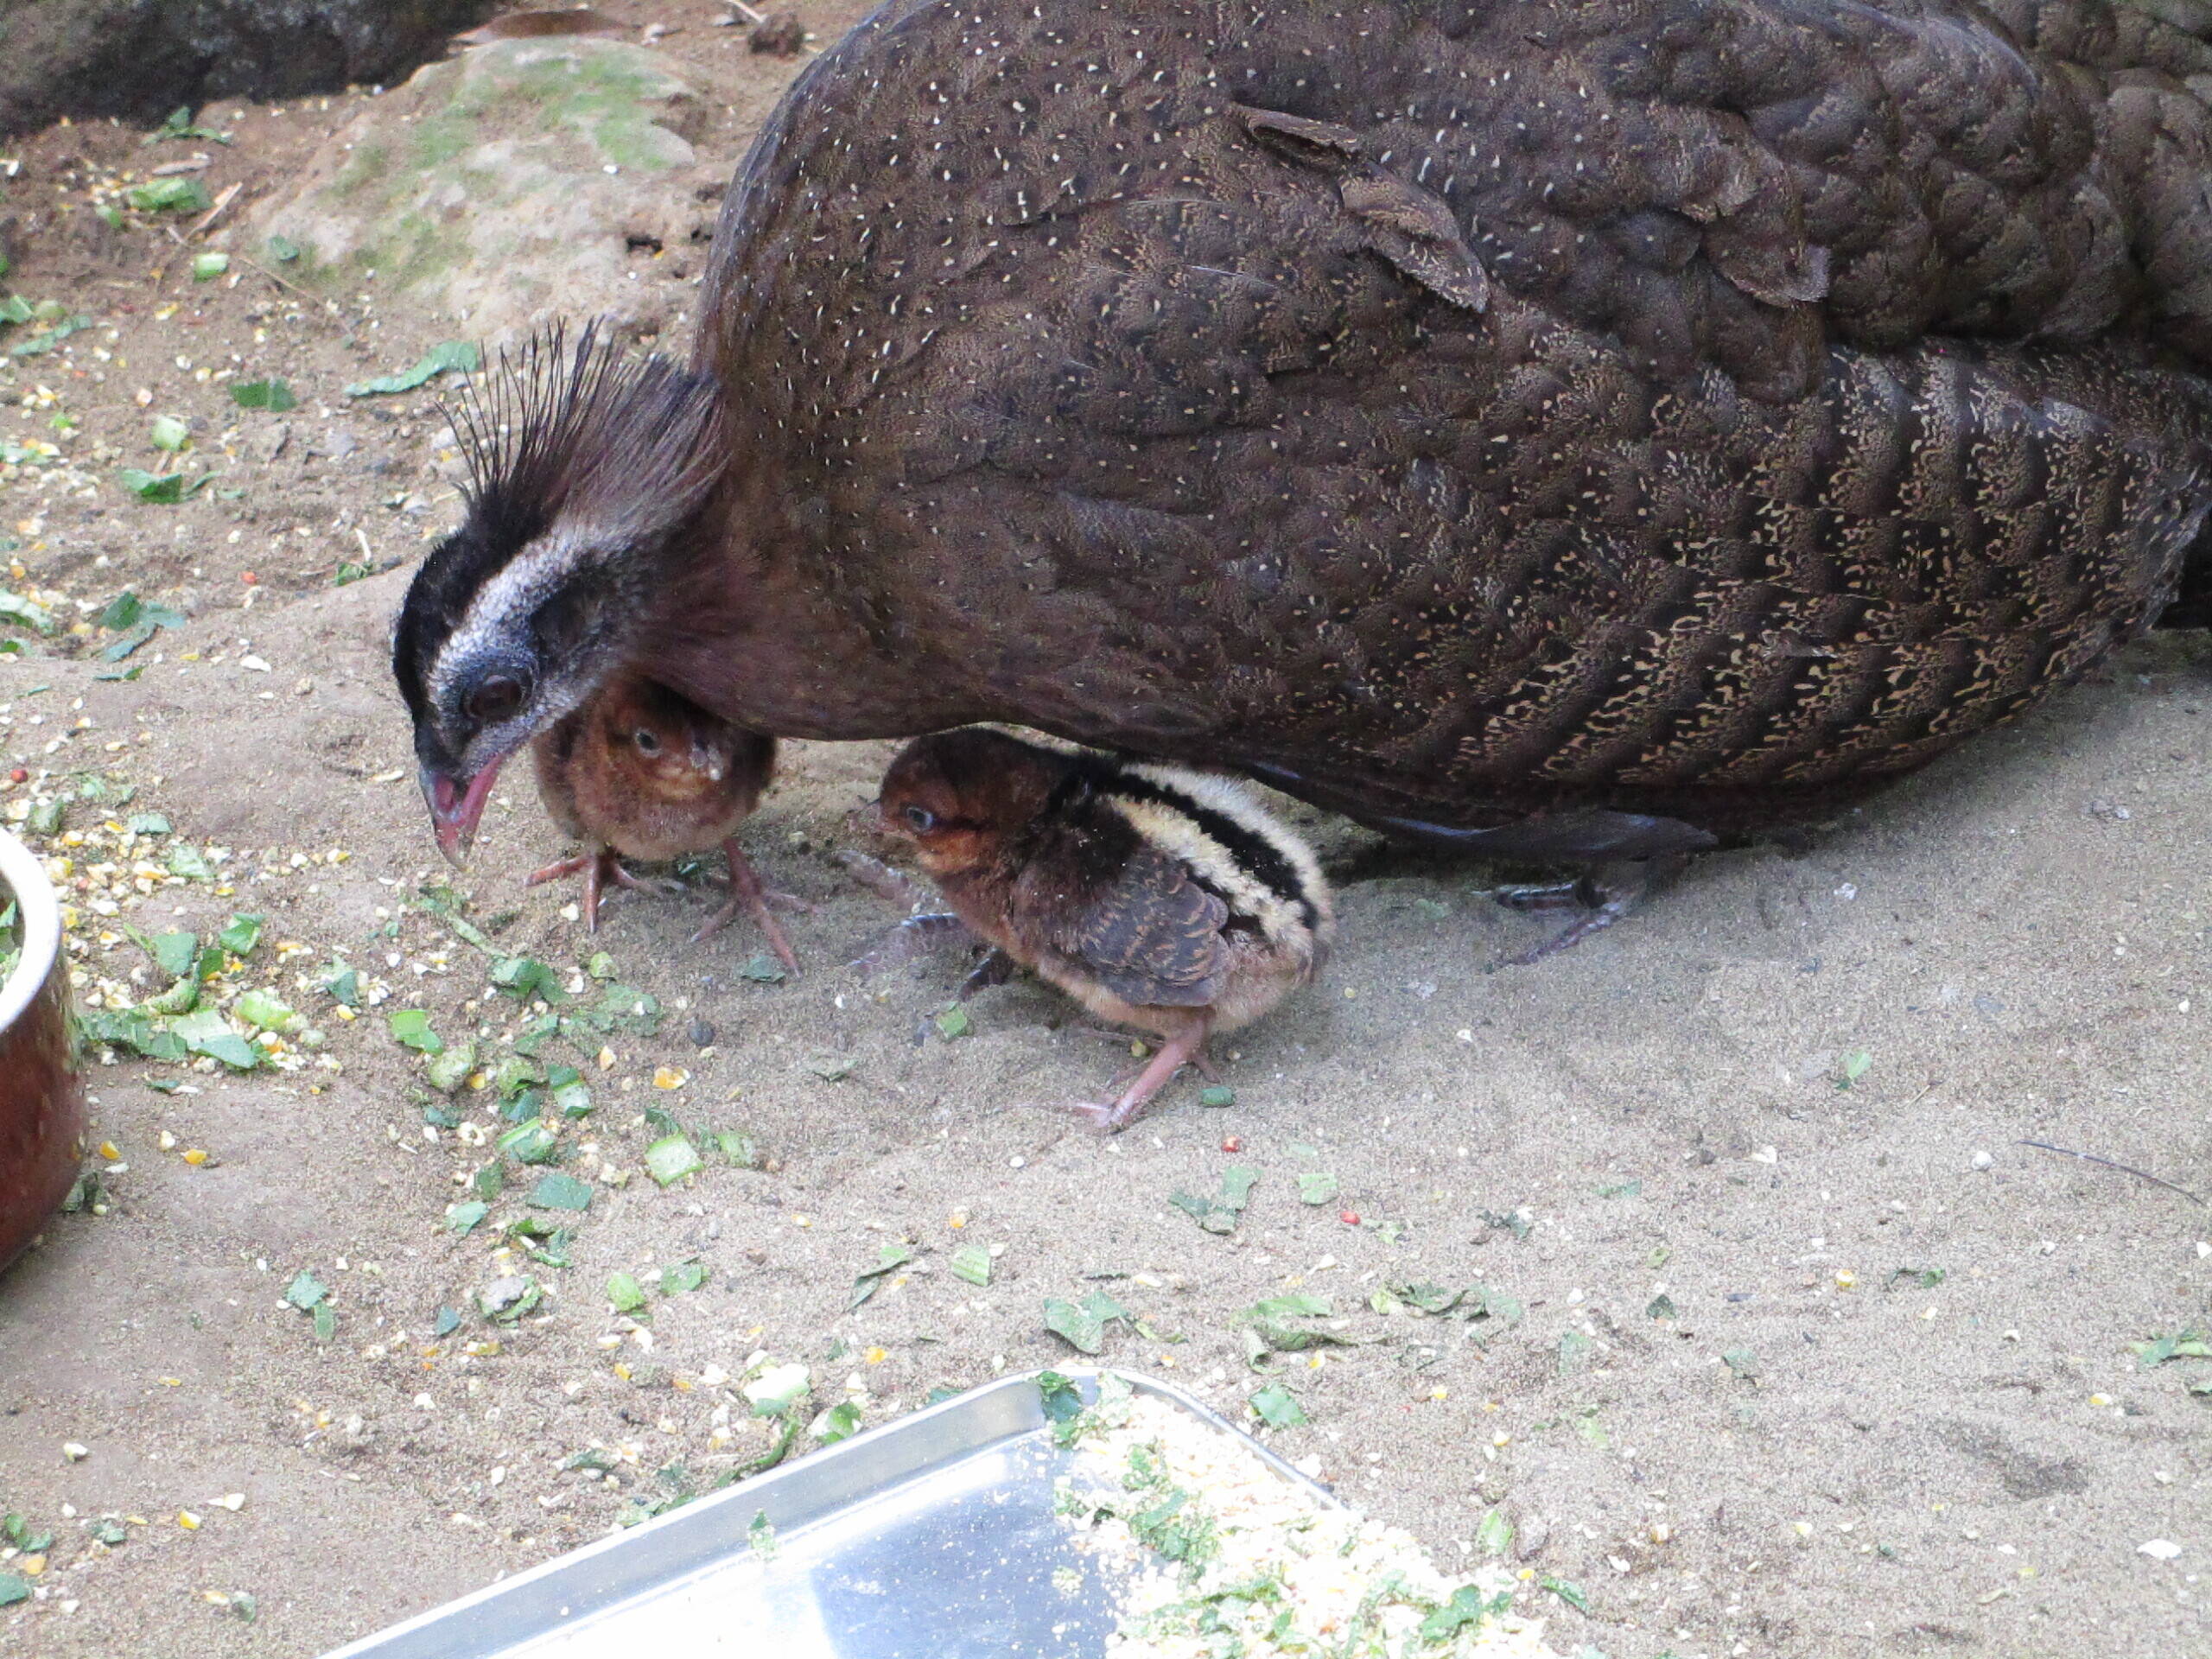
x,y
248,577
1350,1217
19,776
1235,1143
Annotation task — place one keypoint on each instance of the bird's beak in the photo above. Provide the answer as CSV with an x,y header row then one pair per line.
x,y
456,807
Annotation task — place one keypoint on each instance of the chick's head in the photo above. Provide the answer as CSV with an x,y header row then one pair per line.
x,y
959,797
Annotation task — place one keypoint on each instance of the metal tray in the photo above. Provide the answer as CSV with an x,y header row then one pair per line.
x,y
932,1537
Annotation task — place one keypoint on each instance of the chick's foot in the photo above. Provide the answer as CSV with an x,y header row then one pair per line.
x,y
599,870
1187,1048
748,894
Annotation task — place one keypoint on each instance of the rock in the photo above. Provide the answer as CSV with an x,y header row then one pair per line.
x,y
140,59
779,35
527,179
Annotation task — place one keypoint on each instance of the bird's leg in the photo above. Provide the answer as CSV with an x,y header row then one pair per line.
x,y
1603,896
748,892
1187,1047
880,879
916,938
996,969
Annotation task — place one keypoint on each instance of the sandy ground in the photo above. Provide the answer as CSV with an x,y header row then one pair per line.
x,y
1646,1142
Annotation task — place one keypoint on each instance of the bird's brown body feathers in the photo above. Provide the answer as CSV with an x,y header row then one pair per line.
x,y
1459,412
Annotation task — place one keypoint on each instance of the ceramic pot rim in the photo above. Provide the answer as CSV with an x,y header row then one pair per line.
x,y
41,922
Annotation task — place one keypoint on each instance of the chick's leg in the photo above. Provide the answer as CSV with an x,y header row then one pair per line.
x,y
748,892
1185,1047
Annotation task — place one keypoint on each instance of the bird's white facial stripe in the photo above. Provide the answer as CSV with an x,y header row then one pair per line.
x,y
504,605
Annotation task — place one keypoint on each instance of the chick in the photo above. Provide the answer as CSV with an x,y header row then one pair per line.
x,y
1156,897
641,772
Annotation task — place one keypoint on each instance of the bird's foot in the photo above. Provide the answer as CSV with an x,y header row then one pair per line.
x,y
599,870
750,895
1602,897
996,969
1112,1116
916,938
884,883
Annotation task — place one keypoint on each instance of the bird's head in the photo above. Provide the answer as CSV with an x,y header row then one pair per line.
x,y
584,468
957,796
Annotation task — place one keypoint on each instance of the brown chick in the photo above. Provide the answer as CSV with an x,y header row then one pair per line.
x,y
1155,896
640,771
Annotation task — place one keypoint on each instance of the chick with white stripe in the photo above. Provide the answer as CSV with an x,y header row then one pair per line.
x,y
1157,897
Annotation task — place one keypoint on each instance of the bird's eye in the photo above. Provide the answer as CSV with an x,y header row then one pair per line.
x,y
646,742
920,819
497,697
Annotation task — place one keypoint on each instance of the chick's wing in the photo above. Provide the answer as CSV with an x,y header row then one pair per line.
x,y
1130,918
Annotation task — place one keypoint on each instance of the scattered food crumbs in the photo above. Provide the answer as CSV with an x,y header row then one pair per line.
x,y
1184,1520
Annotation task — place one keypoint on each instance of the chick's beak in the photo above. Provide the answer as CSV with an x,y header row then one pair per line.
x,y
456,807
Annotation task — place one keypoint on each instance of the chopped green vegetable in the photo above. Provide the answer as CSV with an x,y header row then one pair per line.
x,y
14,1587
447,355
762,970
624,1293
207,1032
463,1217
508,1299
556,1191
207,267
530,1143
1494,1535
954,1022
527,979
1853,1068
189,862
275,396
973,1263
1219,1215
411,1028
837,1423
1278,1407
169,196
738,1149
1317,1188
1570,1593
14,607
681,1277
447,1070
869,1280
266,1013
306,1291
282,250
1743,1362
1082,1325
170,433
1217,1094
672,1158
164,488
325,1322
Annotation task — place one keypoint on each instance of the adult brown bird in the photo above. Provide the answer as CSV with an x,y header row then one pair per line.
x,y
1586,430
638,772
1156,896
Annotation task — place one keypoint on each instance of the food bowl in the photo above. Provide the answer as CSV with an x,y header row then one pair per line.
x,y
41,1088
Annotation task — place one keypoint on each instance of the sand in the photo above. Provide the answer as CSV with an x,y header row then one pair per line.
x,y
1806,1455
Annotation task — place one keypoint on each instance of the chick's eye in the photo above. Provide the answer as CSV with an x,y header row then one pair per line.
x,y
646,742
920,819
496,698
